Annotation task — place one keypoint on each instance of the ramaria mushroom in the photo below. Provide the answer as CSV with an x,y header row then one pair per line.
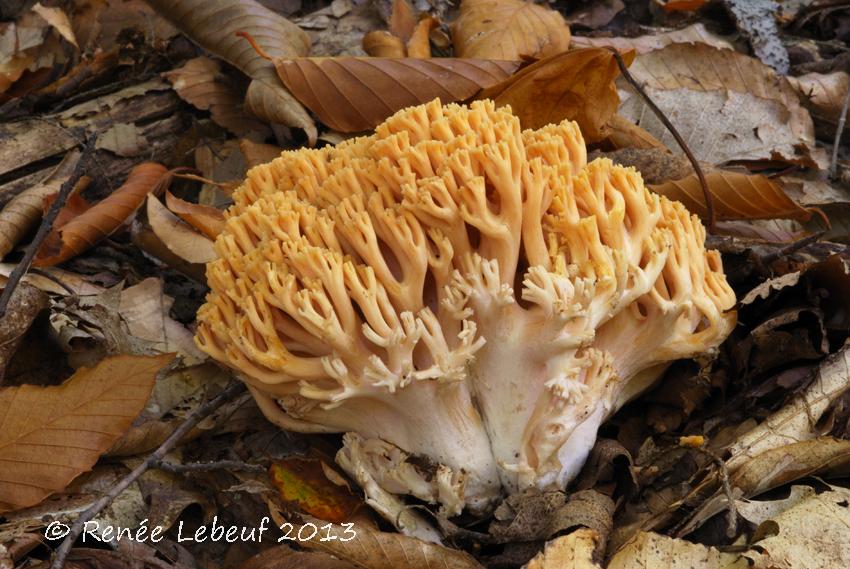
x,y
458,290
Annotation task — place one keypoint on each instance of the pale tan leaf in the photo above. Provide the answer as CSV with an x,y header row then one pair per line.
x,y
735,195
576,85
508,30
352,94
726,106
58,19
814,533
122,139
695,33
380,550
206,219
573,551
274,34
199,82
823,94
148,241
50,435
75,282
759,511
381,43
144,307
180,239
653,551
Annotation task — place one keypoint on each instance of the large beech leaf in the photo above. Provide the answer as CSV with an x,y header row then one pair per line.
x,y
509,30
69,239
213,24
735,195
352,94
50,435
576,85
726,105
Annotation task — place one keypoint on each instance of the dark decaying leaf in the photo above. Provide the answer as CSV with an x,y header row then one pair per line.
x,y
352,94
303,483
25,304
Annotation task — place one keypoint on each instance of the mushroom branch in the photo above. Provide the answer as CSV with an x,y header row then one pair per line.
x,y
457,289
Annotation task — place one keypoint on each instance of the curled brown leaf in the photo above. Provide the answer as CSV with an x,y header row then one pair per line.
x,y
206,219
101,220
576,85
508,29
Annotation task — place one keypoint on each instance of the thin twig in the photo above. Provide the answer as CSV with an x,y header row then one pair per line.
x,y
156,456
723,472
205,466
792,248
833,164
44,229
709,203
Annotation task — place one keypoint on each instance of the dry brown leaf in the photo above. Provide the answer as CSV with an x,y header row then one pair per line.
x,y
654,551
773,468
145,308
352,94
381,43
101,220
402,20
23,213
206,219
274,34
735,195
573,551
823,94
29,43
75,282
257,153
576,85
199,82
508,30
378,550
50,435
284,557
180,239
147,240
726,106
695,33
419,44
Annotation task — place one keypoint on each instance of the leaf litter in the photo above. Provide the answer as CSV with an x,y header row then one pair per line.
x,y
754,428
